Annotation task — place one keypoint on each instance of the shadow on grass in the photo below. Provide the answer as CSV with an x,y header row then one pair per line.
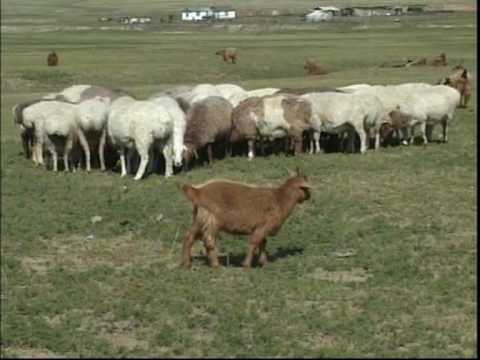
x,y
236,260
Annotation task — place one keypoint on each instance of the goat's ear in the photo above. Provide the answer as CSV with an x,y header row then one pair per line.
x,y
464,74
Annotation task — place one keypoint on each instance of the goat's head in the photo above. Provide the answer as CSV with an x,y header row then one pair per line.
x,y
299,185
220,52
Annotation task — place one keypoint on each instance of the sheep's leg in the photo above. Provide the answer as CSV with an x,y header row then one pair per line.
x,y
465,100
34,153
316,139
167,154
429,132
363,139
251,149
151,162
255,241
445,129
122,162
101,149
377,139
423,130
66,152
210,154
39,151
53,152
86,148
143,164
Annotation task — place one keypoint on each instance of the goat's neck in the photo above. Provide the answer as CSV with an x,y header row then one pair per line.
x,y
287,199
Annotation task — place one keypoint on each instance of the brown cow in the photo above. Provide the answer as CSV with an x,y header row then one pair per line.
x,y
439,61
228,54
52,59
314,68
460,80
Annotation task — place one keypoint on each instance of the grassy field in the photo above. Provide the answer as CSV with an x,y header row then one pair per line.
x,y
405,216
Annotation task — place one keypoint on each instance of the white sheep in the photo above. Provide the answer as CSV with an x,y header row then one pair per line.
x,y
50,121
197,93
425,104
143,124
339,112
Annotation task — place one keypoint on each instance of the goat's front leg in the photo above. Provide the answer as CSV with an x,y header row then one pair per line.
x,y
255,240
263,252
193,234
211,248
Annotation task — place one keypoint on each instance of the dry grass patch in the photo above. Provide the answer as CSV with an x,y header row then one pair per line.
x,y
354,275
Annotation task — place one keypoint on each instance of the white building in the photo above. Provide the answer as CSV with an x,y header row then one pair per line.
x,y
207,13
318,15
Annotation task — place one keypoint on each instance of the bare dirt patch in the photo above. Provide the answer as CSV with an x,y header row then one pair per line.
x,y
31,353
355,275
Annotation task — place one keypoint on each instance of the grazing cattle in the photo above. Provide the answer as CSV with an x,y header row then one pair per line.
x,y
314,68
228,54
236,208
439,61
52,59
460,80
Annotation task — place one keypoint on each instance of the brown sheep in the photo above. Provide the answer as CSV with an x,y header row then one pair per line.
x,y
439,61
399,122
243,125
460,80
52,59
313,68
208,121
420,62
228,54
298,113
236,208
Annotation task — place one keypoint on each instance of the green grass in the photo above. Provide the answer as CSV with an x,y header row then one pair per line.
x,y
407,215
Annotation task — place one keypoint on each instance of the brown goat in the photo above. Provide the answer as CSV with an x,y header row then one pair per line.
x,y
228,54
235,208
460,80
52,59
313,68
439,61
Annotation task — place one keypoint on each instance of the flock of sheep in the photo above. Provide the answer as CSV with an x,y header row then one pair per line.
x,y
182,121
